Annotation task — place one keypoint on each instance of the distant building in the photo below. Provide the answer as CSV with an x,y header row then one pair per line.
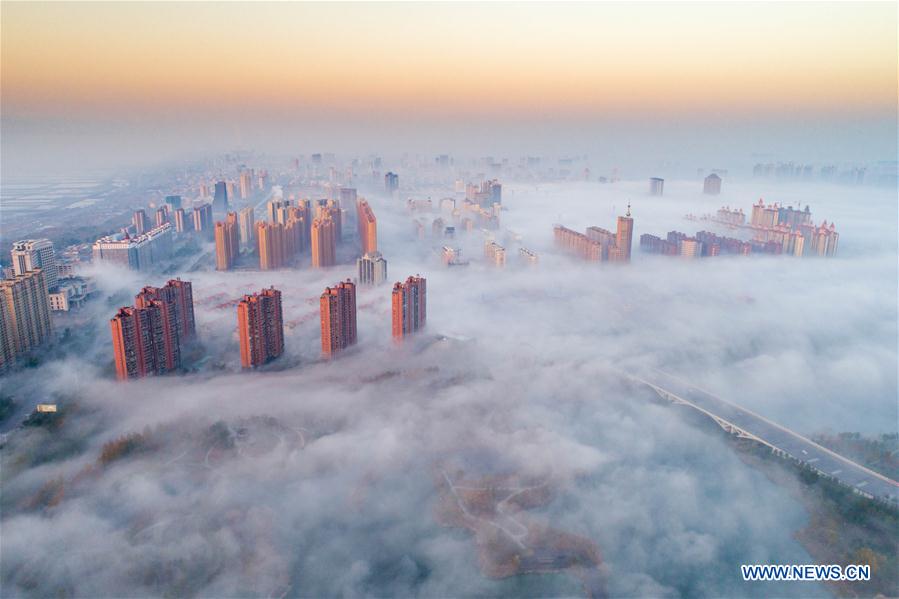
x,y
372,269
246,184
270,245
527,256
220,200
409,306
140,222
338,317
368,227
656,186
624,236
260,325
162,216
495,253
183,224
712,185
277,210
690,247
137,253
227,242
577,243
173,202
324,242
33,254
203,221
24,315
246,228
391,182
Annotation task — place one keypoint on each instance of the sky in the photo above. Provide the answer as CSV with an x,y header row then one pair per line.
x,y
804,81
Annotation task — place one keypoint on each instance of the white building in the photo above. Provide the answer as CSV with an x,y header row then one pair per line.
x,y
32,254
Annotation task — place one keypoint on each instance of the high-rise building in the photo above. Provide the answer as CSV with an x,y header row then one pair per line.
x,y
203,221
347,196
372,269
162,216
409,302
391,182
712,185
227,244
140,222
625,235
528,257
246,227
577,243
31,254
656,186
495,253
260,324
137,253
270,245
25,315
178,296
220,200
368,227
183,224
246,184
277,210
338,317
173,202
324,242
147,338
331,208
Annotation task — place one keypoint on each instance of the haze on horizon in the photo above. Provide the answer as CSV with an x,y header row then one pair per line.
x,y
102,85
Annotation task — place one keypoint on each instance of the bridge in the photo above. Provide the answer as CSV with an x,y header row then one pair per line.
x,y
746,424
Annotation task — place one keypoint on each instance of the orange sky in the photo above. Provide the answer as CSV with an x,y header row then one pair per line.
x,y
102,59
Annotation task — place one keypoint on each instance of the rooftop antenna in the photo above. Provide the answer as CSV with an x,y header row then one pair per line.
x,y
628,208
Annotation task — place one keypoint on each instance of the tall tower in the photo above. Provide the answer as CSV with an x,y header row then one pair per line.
x,y
625,235
220,200
338,317
324,242
368,227
270,241
409,302
145,338
227,244
260,324
26,314
246,228
179,296
372,269
32,254
140,222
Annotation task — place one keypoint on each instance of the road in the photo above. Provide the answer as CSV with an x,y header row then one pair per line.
x,y
748,424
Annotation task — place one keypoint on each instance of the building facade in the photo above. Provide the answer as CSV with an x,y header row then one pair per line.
x,y
338,317
409,306
260,325
372,269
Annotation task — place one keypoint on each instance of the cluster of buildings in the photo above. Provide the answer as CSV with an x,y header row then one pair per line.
x,y
790,229
138,252
148,337
598,244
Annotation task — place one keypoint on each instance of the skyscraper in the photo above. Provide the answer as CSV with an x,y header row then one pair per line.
x,y
246,184
147,337
712,185
178,295
260,325
270,245
277,208
409,302
338,317
31,254
495,253
220,200
246,228
183,224
173,202
227,244
162,216
656,186
372,269
140,222
625,235
203,222
324,242
25,315
391,182
368,227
